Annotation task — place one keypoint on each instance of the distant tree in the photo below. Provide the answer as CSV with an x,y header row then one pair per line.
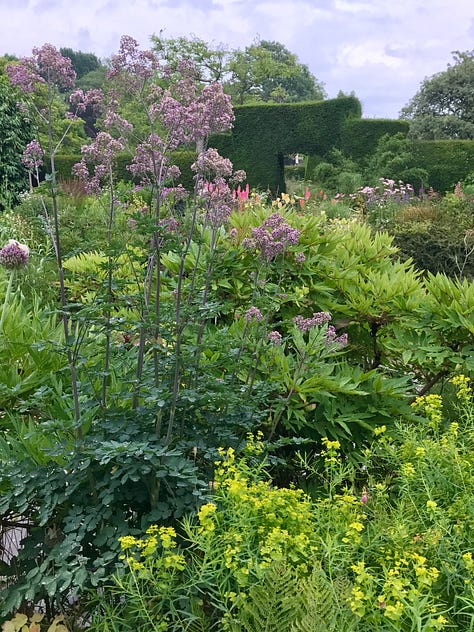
x,y
264,71
15,133
268,71
443,107
211,61
4,61
82,63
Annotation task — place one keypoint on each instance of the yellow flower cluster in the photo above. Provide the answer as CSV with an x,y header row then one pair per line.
x,y
331,451
407,578
432,406
158,545
464,390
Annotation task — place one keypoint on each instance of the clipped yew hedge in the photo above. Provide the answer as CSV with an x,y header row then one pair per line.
x,y
264,133
446,161
183,159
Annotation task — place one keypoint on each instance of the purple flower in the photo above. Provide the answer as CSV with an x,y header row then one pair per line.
x,y
14,255
275,337
253,312
332,338
272,237
47,65
300,257
318,319
32,157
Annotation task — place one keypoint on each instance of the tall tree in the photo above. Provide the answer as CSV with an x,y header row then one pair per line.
x,y
264,71
82,63
443,107
211,61
268,71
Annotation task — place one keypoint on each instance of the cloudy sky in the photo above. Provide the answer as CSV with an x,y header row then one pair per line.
x,y
380,49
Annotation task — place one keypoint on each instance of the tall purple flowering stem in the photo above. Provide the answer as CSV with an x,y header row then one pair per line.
x,y
48,67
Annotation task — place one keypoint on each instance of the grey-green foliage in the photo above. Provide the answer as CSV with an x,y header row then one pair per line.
x,y
284,602
443,107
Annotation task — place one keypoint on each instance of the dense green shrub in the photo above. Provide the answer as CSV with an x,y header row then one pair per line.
x,y
446,161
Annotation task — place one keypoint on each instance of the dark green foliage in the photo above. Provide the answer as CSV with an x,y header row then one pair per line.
x,y
82,63
446,161
183,159
394,158
263,134
443,107
361,136
438,237
114,481
15,133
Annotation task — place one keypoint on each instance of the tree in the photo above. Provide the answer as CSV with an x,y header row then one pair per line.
x,y
443,107
268,71
15,133
82,63
210,61
264,71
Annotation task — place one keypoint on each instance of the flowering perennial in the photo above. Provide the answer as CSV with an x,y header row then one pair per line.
x,y
14,255
272,237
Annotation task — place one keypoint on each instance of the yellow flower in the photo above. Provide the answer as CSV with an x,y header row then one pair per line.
x,y
431,505
408,470
128,542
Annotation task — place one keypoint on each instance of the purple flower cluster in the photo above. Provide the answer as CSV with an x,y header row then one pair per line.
x,y
47,65
272,237
210,165
100,155
14,255
189,116
333,339
211,173
150,162
275,337
253,313
81,100
132,66
318,319
387,190
32,157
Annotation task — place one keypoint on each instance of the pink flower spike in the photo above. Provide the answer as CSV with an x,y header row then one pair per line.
x,y
307,194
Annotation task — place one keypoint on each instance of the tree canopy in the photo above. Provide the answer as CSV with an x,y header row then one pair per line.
x,y
265,71
443,107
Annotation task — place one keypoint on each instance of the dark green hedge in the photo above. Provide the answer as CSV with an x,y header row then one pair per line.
x,y
264,133
360,136
183,159
446,161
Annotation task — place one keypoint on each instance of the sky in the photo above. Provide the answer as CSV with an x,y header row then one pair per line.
x,y
381,50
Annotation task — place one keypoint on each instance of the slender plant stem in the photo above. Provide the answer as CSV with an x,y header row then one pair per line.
x,y
7,299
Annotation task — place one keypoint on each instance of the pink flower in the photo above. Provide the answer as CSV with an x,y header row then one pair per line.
x,y
253,312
